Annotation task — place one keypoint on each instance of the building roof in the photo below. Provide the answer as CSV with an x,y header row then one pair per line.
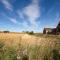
x,y
47,28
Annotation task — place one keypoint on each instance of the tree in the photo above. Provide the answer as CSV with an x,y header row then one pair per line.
x,y
31,32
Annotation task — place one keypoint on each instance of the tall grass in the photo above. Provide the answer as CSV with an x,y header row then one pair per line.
x,y
12,47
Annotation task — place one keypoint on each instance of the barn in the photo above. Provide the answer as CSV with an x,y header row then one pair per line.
x,y
54,31
47,31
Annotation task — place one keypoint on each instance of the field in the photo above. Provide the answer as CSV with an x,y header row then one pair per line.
x,y
22,46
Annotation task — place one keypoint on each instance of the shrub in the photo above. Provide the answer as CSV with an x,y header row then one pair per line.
x,y
6,31
31,32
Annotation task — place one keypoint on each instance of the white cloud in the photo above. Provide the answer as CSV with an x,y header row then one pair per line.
x,y
13,20
32,11
23,25
20,13
7,4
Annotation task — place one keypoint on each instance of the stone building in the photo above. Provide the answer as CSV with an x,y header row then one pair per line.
x,y
52,30
47,31
58,28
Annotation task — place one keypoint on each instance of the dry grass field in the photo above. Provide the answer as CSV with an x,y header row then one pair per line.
x,y
36,47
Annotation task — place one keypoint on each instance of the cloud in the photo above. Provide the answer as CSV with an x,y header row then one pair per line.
x,y
20,13
13,20
24,25
32,11
7,4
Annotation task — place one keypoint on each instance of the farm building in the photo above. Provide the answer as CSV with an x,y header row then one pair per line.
x,y
58,28
47,30
52,30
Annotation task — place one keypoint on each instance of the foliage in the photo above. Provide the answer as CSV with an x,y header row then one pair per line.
x,y
31,32
6,31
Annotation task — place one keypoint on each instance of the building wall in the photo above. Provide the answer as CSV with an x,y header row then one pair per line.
x,y
47,31
54,31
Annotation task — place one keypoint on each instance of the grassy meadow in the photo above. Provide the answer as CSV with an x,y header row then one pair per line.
x,y
23,46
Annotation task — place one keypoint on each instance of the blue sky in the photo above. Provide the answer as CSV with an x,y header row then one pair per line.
x,y
29,15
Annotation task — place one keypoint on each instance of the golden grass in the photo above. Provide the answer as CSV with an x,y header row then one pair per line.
x,y
13,39
35,46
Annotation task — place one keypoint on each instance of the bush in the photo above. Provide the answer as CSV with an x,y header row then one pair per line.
x,y
6,31
31,32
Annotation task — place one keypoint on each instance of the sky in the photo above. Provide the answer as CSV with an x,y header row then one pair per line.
x,y
29,15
